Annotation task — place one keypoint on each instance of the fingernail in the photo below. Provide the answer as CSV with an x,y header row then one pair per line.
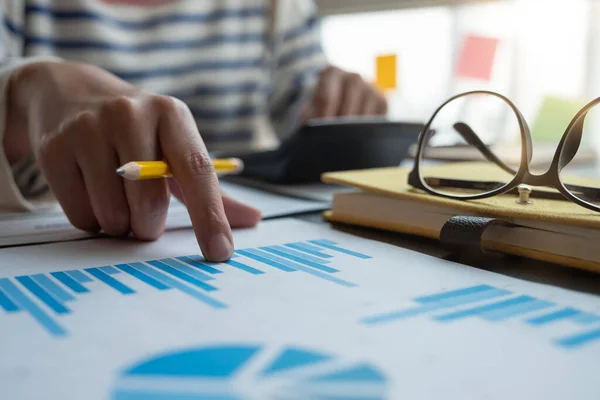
x,y
220,248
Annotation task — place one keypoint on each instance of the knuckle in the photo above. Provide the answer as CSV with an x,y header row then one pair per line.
x,y
168,104
200,164
78,134
354,79
330,70
47,148
121,107
211,215
84,121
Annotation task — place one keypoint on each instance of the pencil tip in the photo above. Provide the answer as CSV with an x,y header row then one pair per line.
x,y
120,171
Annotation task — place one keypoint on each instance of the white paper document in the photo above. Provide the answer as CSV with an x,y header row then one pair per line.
x,y
273,204
310,191
300,312
52,225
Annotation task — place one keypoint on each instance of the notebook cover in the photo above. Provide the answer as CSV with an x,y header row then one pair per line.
x,y
487,245
393,182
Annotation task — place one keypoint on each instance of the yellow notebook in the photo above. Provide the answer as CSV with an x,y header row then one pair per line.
x,y
558,231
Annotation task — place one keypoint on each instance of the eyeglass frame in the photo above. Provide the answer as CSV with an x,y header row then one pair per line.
x,y
551,178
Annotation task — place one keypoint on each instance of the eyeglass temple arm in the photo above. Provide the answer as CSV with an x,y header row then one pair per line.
x,y
473,139
590,193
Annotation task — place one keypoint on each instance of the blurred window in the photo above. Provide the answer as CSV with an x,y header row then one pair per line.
x,y
540,51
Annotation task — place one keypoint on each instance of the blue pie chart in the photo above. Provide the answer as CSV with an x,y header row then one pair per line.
x,y
249,372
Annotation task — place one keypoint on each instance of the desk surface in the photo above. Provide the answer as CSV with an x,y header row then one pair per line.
x,y
517,267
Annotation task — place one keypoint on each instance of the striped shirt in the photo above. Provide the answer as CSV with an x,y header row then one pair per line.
x,y
243,67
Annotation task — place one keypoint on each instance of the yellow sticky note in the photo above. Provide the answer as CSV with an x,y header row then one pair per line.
x,y
386,72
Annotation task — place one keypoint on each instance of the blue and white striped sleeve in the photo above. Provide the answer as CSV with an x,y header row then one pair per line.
x,y
22,181
298,59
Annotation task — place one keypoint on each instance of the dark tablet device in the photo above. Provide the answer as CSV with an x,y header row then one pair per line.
x,y
335,145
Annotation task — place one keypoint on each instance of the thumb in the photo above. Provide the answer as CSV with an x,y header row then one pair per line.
x,y
238,214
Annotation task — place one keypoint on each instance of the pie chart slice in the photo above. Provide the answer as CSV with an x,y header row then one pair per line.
x,y
292,358
231,373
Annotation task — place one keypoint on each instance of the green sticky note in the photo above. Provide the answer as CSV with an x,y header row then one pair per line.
x,y
553,117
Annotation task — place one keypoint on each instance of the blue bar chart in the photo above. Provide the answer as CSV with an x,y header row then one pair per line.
x,y
496,304
46,297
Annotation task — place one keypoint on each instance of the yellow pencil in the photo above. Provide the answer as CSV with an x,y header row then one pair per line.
x,y
139,170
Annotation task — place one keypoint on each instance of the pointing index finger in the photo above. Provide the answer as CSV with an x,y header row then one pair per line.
x,y
193,169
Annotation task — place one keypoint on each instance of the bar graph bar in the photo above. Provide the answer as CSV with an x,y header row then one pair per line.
x,y
167,280
580,339
194,262
298,253
441,301
517,310
109,269
7,304
485,309
44,295
559,315
302,259
328,245
496,305
326,241
282,263
309,249
181,275
110,281
244,267
41,294
136,273
196,273
36,312
79,276
69,282
453,293
265,259
59,293
586,318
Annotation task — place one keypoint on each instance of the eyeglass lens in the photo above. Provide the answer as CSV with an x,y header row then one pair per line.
x,y
577,158
471,128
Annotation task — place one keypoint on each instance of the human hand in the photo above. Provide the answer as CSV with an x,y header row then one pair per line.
x,y
83,123
339,93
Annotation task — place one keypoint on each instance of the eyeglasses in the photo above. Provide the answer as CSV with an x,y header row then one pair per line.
x,y
492,115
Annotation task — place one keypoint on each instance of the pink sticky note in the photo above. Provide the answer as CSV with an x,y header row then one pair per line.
x,y
476,57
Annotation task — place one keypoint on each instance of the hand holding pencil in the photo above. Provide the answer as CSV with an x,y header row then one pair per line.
x,y
79,145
